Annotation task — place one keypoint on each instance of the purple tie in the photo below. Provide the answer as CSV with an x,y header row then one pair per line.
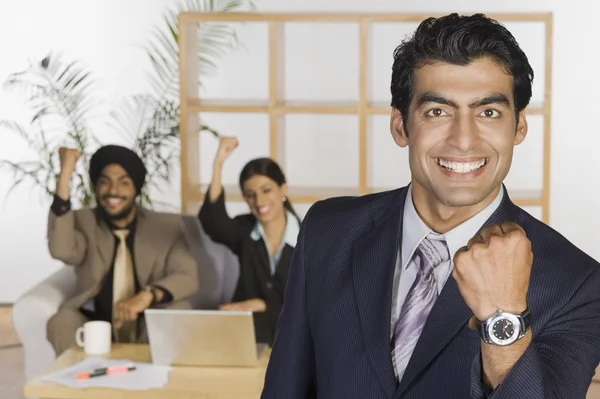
x,y
418,303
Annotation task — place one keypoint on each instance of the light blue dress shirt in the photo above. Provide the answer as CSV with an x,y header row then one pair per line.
x,y
290,236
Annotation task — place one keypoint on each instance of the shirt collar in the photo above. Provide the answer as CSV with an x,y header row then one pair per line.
x,y
414,230
290,235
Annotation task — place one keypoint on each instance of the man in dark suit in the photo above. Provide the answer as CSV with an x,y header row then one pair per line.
x,y
443,288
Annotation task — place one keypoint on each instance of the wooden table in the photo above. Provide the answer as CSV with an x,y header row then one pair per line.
x,y
184,382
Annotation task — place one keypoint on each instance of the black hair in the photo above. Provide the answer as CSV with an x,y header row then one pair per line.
x,y
459,40
269,168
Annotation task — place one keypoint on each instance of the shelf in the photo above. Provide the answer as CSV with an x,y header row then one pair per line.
x,y
519,197
314,194
384,108
379,108
316,17
306,107
317,107
295,194
233,106
281,108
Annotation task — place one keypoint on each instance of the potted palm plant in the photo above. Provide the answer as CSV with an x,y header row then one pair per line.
x,y
60,97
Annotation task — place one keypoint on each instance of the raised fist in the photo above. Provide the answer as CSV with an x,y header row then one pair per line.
x,y
68,159
492,272
226,146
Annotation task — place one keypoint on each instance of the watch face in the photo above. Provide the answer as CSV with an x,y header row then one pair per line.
x,y
504,329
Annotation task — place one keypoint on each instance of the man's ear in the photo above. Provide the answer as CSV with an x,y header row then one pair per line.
x,y
397,128
522,128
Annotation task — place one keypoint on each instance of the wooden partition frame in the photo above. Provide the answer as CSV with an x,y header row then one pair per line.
x,y
192,190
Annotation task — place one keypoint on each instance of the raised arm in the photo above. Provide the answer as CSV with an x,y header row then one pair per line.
x,y
213,214
560,361
556,358
65,242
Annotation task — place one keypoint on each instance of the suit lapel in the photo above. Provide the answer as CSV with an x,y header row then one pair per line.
x,y
260,246
142,248
105,243
374,259
450,312
448,316
283,266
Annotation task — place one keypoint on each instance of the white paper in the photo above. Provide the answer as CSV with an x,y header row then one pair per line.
x,y
145,376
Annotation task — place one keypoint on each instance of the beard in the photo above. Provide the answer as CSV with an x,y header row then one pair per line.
x,y
122,214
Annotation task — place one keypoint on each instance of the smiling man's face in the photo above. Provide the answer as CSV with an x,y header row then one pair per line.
x,y
461,131
115,192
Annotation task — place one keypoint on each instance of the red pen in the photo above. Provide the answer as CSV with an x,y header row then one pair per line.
x,y
105,371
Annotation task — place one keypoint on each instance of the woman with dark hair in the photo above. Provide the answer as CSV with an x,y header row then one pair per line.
x,y
263,239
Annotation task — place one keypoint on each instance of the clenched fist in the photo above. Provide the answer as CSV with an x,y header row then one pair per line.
x,y
226,146
493,270
68,159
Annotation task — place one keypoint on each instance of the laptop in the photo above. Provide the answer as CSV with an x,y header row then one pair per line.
x,y
202,338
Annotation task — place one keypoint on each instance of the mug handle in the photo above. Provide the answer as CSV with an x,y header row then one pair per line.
x,y
79,337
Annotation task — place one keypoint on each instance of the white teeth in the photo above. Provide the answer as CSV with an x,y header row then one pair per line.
x,y
461,167
263,209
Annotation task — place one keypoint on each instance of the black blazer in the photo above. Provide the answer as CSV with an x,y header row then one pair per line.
x,y
333,339
255,280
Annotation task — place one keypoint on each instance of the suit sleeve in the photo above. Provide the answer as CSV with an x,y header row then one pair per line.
x,y
218,225
291,370
65,242
560,360
181,271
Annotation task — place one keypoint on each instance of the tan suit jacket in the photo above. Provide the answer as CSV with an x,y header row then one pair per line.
x,y
162,256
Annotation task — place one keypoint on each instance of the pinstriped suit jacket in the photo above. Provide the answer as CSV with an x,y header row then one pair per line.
x,y
333,334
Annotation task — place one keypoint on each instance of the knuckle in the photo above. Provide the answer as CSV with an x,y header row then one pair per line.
x,y
496,240
515,235
477,248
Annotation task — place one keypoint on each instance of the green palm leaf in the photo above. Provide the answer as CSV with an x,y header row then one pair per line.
x,y
58,95
151,121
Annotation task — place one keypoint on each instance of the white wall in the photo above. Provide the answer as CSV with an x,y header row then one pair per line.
x,y
104,34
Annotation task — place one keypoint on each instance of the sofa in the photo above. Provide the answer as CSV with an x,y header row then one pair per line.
x,y
218,271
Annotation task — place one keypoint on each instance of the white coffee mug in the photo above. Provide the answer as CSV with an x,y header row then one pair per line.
x,y
94,337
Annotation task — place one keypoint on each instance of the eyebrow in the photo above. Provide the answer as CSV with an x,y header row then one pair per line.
x,y
493,98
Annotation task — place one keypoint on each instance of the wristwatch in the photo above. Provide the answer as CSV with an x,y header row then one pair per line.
x,y
151,290
504,328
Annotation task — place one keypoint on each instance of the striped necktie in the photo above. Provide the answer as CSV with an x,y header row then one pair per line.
x,y
419,302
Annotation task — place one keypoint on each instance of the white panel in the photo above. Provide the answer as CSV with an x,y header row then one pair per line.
x,y
252,132
244,72
321,62
387,164
527,168
535,211
321,150
531,37
383,40
301,209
